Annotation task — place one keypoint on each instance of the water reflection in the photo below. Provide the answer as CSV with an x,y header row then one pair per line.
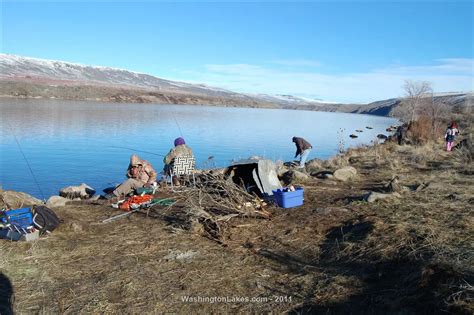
x,y
72,142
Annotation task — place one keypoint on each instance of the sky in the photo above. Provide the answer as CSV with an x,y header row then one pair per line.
x,y
341,51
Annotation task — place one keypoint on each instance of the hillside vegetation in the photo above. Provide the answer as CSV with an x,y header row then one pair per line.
x,y
24,77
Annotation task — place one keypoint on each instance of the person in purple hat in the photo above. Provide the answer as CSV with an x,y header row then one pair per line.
x,y
180,149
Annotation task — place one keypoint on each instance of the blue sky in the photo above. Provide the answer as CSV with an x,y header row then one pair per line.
x,y
352,51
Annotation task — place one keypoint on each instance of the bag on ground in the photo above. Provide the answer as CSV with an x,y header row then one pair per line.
x,y
45,219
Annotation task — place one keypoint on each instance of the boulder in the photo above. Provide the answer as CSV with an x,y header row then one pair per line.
x,y
374,196
281,168
346,173
295,176
83,191
56,201
313,165
13,199
323,174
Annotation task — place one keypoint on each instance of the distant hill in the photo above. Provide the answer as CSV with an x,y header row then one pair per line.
x,y
39,78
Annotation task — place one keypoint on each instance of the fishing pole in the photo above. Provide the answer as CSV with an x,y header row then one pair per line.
x,y
177,124
27,163
131,149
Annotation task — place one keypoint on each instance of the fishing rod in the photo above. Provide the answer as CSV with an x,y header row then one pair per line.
x,y
26,160
177,124
131,149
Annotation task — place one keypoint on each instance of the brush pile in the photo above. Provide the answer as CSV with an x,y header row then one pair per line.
x,y
214,202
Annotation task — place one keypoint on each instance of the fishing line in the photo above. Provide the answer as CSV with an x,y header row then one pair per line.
x,y
131,149
27,163
177,124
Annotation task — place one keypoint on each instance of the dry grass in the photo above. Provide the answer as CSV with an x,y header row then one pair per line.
x,y
336,254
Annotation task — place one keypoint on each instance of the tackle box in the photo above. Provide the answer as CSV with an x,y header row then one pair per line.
x,y
289,199
21,218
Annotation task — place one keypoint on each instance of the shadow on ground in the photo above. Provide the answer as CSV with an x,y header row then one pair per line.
x,y
400,285
6,295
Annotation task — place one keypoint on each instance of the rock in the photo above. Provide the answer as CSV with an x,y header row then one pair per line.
x,y
313,165
374,196
432,186
83,191
393,185
295,176
14,199
281,168
346,173
57,201
182,256
323,174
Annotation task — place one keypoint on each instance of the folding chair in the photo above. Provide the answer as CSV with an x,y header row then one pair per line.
x,y
183,165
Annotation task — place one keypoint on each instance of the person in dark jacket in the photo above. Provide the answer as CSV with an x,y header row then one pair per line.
x,y
401,134
303,148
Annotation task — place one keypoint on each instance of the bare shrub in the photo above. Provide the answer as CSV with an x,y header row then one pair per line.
x,y
464,156
421,130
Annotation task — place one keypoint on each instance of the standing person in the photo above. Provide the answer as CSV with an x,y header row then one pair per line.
x,y
180,149
449,135
455,128
401,133
303,148
140,173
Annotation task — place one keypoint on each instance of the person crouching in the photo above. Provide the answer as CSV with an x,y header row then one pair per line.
x,y
140,173
303,148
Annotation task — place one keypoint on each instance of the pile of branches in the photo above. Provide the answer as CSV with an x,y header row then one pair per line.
x,y
217,200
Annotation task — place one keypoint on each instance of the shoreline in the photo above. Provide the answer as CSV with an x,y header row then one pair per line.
x,y
76,91
337,244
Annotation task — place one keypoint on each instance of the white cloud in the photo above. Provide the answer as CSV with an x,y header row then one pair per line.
x,y
446,75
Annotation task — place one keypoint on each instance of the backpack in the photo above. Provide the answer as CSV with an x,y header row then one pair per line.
x,y
45,219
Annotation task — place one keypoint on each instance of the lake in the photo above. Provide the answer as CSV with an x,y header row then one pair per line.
x,y
69,143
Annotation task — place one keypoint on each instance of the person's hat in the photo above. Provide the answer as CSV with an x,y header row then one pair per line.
x,y
179,141
135,160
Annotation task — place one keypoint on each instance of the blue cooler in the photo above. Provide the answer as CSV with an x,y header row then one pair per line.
x,y
21,218
289,199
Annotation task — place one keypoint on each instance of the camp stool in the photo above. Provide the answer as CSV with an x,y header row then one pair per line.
x,y
183,165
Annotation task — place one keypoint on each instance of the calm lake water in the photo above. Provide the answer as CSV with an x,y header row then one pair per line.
x,y
69,143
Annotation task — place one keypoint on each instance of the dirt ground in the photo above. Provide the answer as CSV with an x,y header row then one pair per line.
x,y
335,254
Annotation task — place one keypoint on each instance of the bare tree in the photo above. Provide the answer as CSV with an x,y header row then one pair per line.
x,y
435,110
415,93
